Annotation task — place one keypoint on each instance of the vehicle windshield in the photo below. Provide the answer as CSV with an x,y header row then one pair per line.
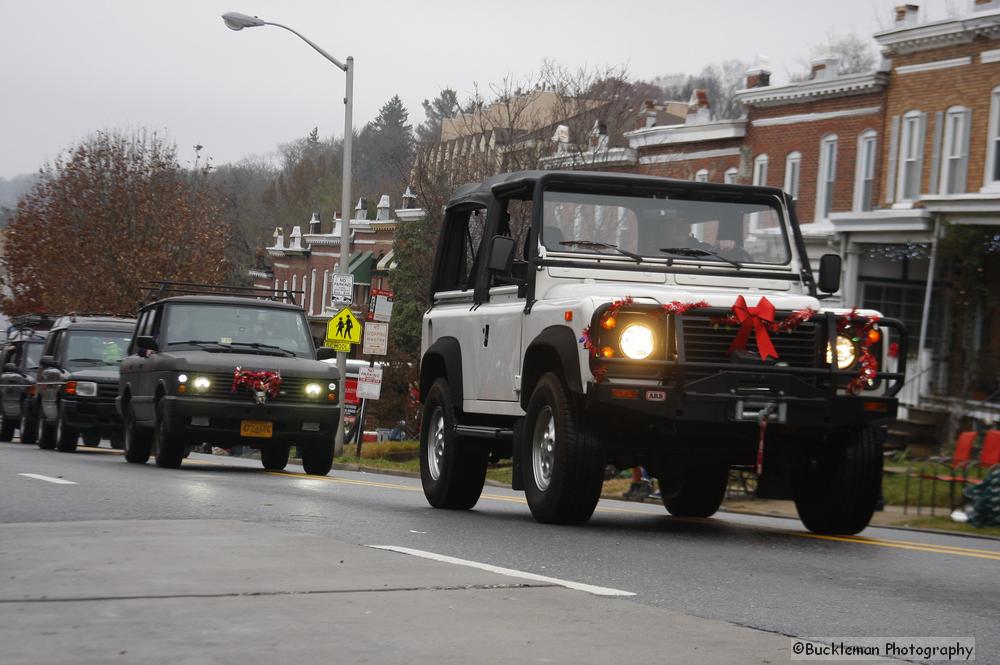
x,y
32,352
666,227
238,328
94,348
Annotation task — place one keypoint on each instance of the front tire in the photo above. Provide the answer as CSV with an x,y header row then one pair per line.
x,y
836,487
92,439
46,437
317,459
703,487
137,441
274,458
66,438
169,450
7,428
452,469
29,426
563,462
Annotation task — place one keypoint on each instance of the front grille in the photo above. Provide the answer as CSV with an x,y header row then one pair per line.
x,y
292,387
107,391
704,341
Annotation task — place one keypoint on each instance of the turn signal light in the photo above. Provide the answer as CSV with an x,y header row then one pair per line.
x,y
70,388
608,322
874,335
607,352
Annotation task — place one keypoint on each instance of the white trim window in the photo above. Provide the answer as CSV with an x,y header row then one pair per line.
x,y
760,170
991,179
701,175
827,176
793,167
911,156
955,153
864,171
729,177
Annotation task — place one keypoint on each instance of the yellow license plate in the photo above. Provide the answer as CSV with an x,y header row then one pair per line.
x,y
258,428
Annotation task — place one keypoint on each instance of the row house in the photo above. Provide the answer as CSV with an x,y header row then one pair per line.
x,y
303,263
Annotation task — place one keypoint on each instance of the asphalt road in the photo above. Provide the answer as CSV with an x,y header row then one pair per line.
x,y
737,571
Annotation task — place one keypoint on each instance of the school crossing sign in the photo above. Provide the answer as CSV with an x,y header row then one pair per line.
x,y
342,331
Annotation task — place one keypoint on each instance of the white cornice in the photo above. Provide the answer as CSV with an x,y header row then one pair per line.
x,y
685,156
851,84
814,117
671,134
609,157
881,221
959,205
935,65
940,33
410,214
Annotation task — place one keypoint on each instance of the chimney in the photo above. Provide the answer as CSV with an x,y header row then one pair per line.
x,y
699,110
759,74
382,211
314,224
361,210
906,16
279,238
409,198
295,240
825,68
599,136
985,5
647,116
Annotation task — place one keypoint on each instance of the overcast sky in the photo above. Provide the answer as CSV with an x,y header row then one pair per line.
x,y
68,68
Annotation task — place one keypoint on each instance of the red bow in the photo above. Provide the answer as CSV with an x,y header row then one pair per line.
x,y
758,318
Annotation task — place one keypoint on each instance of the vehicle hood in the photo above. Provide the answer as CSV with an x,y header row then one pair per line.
x,y
204,361
96,374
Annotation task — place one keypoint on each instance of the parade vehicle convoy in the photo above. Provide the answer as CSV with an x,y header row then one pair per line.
x,y
21,352
582,319
77,381
227,366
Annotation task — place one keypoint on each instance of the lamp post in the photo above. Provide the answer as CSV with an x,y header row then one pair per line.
x,y
237,21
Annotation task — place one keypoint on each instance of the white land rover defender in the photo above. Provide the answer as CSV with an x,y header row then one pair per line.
x,y
580,319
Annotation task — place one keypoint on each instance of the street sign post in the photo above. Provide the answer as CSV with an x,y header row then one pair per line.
x,y
343,288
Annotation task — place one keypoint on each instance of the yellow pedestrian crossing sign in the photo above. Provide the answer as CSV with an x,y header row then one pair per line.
x,y
344,328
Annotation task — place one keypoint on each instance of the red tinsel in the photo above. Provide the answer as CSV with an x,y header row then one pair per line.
x,y
262,383
858,326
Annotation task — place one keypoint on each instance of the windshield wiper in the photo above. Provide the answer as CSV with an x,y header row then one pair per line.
x,y
203,342
92,361
604,245
694,251
259,346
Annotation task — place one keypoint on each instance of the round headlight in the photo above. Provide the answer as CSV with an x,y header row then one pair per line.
x,y
313,389
846,352
182,378
636,341
202,383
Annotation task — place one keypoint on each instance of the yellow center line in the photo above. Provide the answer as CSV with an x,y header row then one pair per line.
x,y
860,540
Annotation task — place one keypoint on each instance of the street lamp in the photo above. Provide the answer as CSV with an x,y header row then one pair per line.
x,y
237,21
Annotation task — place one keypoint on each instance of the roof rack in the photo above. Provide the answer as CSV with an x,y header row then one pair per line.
x,y
31,325
158,290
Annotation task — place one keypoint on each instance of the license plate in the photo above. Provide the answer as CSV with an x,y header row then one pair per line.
x,y
258,428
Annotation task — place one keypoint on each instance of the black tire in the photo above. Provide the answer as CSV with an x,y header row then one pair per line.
x,y
563,463
136,440
703,487
274,457
66,437
452,468
28,427
46,437
92,439
317,459
837,486
7,427
117,441
169,449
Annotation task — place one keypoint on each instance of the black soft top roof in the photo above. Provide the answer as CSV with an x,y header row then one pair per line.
x,y
481,193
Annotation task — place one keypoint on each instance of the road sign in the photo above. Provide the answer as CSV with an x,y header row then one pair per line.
x,y
344,328
351,392
343,288
380,305
369,382
376,339
339,347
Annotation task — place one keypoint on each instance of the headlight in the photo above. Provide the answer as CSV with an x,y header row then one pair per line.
x,y
847,353
81,388
202,383
313,389
636,341
182,378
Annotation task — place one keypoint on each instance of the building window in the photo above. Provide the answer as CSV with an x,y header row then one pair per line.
x,y
701,175
760,170
955,153
911,156
864,171
729,177
793,165
827,176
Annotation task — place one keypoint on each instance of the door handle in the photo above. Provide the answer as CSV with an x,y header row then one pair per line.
x,y
486,335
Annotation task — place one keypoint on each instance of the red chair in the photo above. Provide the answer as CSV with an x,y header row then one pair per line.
x,y
989,455
959,461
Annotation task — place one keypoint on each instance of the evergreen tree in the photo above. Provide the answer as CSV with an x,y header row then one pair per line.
x,y
445,105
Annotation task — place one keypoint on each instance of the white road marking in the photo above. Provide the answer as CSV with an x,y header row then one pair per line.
x,y
510,572
48,479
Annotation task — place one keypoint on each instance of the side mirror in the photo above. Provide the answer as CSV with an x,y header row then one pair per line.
x,y
501,254
146,343
9,367
325,353
829,273
47,361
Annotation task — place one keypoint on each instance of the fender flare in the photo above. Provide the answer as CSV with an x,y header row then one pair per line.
x,y
562,342
443,357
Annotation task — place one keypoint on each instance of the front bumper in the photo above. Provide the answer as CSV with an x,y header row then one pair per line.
x,y
91,414
224,416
